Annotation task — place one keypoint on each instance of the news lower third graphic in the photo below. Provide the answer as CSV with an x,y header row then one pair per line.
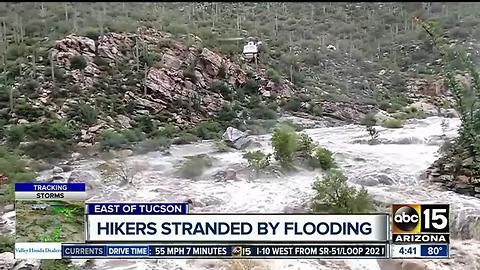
x,y
55,229
420,230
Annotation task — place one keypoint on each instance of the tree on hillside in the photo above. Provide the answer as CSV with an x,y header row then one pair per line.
x,y
468,106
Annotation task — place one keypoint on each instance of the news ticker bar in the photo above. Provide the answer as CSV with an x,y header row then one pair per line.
x,y
222,251
228,251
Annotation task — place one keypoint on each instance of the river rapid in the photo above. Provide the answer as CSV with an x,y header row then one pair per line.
x,y
391,171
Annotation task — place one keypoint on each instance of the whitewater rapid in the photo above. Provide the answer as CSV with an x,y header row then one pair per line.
x,y
390,171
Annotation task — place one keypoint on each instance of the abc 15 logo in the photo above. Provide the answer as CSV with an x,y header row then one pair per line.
x,y
420,218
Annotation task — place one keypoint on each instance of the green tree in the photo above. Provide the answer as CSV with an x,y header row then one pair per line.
x,y
285,144
334,195
466,105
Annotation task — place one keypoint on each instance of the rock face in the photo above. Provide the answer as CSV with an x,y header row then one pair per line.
x,y
237,138
345,111
175,82
460,177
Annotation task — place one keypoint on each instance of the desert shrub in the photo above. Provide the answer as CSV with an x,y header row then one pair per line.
x,y
194,167
35,131
62,264
412,112
222,88
154,144
58,72
290,123
112,140
78,62
29,86
373,133
257,160
222,146
27,111
368,120
226,115
133,134
274,75
323,158
60,130
7,243
167,130
101,62
16,134
208,130
285,143
263,112
92,33
16,51
305,145
392,123
317,110
12,167
222,72
149,58
146,124
334,195
189,73
3,122
293,104
251,87
87,114
46,149
185,138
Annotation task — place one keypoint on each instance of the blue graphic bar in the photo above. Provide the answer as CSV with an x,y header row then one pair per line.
x,y
50,187
128,251
83,251
137,208
434,251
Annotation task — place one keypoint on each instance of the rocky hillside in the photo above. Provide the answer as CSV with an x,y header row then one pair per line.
x,y
127,76
79,73
364,53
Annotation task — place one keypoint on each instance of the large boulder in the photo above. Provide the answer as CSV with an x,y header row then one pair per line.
x,y
413,265
124,121
57,170
7,260
401,265
81,177
226,175
236,138
27,265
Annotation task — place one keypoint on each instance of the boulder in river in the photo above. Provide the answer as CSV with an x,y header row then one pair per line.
x,y
27,265
226,175
57,170
238,139
81,177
